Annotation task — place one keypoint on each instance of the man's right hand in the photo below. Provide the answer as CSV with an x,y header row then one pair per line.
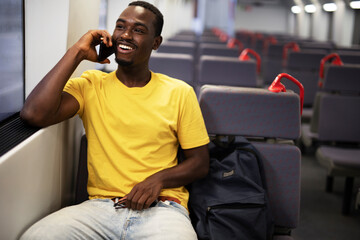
x,y
86,44
48,104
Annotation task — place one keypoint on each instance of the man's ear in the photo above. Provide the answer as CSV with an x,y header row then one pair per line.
x,y
157,42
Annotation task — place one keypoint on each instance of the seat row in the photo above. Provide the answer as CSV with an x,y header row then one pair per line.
x,y
338,127
334,129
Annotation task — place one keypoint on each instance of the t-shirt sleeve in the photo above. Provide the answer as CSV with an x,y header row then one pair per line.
x,y
75,87
191,130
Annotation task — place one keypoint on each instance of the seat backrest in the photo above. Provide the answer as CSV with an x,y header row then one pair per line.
x,y
305,60
210,39
259,113
272,63
339,118
178,47
338,80
180,66
81,193
229,71
304,66
275,51
342,79
326,46
217,50
183,38
351,57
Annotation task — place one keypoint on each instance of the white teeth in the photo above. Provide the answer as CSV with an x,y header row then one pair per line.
x,y
125,47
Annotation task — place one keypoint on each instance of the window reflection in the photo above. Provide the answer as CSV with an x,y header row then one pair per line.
x,y
11,58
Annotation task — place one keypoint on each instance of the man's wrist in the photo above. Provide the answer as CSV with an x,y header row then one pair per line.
x,y
77,53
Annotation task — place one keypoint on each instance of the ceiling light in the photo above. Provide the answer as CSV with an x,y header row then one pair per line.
x,y
355,4
310,8
330,7
295,9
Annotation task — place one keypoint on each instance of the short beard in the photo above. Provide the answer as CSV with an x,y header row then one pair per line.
x,y
123,63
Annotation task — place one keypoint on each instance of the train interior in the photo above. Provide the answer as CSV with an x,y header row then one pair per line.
x,y
284,74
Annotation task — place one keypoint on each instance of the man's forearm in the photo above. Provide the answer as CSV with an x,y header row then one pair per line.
x,y
44,100
183,174
194,167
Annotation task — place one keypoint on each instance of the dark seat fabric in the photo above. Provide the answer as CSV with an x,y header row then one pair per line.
x,y
272,63
304,66
81,193
282,170
350,57
178,47
180,66
250,112
343,79
217,70
217,50
339,117
183,38
342,158
339,80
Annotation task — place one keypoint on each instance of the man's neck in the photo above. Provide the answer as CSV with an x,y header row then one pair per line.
x,y
132,77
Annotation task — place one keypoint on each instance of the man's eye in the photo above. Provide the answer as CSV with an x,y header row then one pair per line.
x,y
120,26
138,30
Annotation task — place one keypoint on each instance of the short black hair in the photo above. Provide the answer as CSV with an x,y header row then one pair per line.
x,y
159,17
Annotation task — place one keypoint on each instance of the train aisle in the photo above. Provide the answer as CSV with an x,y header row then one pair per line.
x,y
320,212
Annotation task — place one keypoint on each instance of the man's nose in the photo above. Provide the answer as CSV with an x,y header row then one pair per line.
x,y
127,34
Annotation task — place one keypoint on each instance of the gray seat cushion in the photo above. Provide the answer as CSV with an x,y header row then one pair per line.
x,y
340,161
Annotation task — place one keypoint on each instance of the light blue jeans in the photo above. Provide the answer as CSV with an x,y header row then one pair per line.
x,y
98,219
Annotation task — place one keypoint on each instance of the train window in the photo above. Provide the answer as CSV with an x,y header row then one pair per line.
x,y
11,58
12,130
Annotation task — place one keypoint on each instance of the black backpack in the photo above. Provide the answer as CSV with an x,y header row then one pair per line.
x,y
231,202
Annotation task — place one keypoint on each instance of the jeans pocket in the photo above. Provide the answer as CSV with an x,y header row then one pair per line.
x,y
173,205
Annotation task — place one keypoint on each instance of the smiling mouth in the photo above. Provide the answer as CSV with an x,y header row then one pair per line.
x,y
122,48
125,47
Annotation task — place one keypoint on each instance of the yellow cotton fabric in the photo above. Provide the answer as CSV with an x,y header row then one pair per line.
x,y
135,132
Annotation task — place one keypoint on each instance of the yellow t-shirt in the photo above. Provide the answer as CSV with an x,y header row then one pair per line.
x,y
135,132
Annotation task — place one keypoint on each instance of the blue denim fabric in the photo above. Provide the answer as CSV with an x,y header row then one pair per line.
x,y
98,219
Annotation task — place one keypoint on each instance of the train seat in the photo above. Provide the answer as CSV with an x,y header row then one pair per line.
x,y
326,46
304,66
351,57
217,50
176,65
271,121
211,39
183,38
186,32
337,80
178,47
272,62
339,141
335,127
217,70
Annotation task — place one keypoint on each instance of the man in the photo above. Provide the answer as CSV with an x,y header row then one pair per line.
x,y
134,121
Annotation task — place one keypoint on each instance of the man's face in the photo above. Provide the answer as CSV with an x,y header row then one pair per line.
x,y
134,36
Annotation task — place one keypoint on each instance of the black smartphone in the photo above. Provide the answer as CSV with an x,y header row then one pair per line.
x,y
104,51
